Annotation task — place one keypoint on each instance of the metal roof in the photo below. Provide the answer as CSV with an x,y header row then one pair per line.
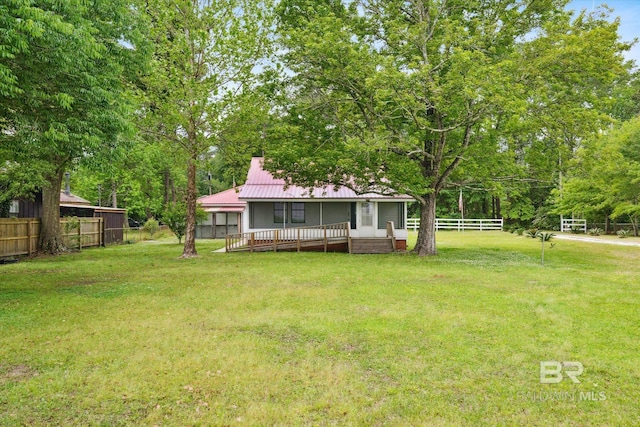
x,y
224,198
262,185
72,199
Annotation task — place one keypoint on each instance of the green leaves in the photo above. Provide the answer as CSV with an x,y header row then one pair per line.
x,y
63,86
401,94
605,176
206,55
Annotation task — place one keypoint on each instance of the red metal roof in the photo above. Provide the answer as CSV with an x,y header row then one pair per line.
x,y
261,184
227,198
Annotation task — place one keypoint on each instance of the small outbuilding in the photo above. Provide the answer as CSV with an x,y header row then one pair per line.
x,y
75,206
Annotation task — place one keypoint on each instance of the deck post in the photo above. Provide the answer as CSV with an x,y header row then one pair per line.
x,y
253,240
298,240
79,234
325,238
275,241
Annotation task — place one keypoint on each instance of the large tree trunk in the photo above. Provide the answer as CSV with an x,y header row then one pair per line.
x,y
50,240
426,244
189,250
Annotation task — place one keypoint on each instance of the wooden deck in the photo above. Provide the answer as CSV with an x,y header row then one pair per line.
x,y
327,238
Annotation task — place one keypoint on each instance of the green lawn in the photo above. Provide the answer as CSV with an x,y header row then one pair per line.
x,y
131,335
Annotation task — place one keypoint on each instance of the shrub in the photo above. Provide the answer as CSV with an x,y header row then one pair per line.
x,y
576,230
532,232
623,234
151,227
595,231
175,216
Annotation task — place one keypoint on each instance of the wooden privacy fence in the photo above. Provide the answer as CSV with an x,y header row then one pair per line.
x,y
460,224
20,236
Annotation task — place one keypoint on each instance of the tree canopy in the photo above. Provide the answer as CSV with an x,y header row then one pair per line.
x,y
396,95
205,56
63,87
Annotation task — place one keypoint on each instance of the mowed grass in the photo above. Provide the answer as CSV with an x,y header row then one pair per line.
x,y
132,335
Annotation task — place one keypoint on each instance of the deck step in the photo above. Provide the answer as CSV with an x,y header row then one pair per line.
x,y
371,246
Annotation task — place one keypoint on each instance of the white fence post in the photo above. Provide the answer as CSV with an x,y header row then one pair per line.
x,y
567,225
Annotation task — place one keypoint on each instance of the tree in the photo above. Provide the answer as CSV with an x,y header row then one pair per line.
x,y
394,95
605,177
62,68
175,216
206,54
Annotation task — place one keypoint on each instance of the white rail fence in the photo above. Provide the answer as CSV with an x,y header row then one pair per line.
x,y
569,225
460,224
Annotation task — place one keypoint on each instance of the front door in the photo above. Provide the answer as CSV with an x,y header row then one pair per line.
x,y
367,227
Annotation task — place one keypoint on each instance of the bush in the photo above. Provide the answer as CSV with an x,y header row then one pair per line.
x,y
623,234
532,232
595,231
151,227
576,230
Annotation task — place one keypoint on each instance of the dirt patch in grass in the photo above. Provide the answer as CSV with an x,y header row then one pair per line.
x,y
16,373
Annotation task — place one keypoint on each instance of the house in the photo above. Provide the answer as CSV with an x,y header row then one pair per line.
x,y
270,205
224,214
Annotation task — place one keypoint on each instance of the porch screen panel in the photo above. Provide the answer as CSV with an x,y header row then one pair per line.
x,y
393,211
278,212
232,218
335,212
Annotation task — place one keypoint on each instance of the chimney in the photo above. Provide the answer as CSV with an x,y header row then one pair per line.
x,y
67,186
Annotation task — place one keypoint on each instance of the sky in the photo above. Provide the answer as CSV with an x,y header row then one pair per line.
x,y
629,13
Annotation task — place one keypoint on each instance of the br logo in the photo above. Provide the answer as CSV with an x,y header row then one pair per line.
x,y
551,371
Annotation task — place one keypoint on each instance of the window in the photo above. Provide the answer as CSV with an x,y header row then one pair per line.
x,y
14,207
278,213
297,213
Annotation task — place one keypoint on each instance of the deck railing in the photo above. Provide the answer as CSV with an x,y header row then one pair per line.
x,y
290,238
